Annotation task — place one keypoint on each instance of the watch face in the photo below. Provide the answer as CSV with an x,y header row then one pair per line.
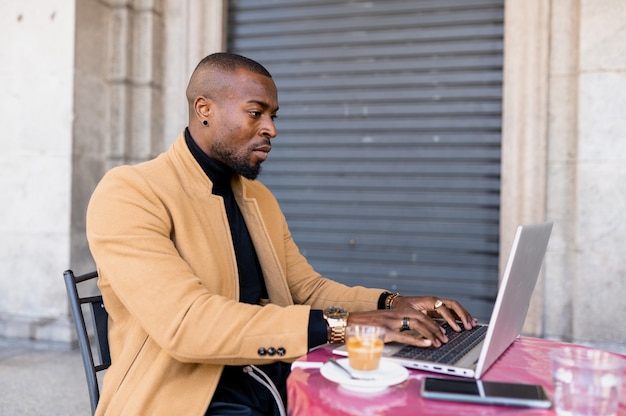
x,y
335,312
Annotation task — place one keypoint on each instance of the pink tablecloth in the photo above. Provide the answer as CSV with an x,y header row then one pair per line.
x,y
526,361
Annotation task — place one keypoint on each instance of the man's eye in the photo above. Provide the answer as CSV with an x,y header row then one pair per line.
x,y
255,114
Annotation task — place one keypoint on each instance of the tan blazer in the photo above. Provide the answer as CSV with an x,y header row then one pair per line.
x,y
168,275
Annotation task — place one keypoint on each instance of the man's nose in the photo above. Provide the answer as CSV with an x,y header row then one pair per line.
x,y
269,128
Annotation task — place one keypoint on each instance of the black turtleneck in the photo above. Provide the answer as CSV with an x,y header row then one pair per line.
x,y
251,282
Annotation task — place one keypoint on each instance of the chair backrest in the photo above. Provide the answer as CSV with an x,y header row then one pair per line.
x,y
99,317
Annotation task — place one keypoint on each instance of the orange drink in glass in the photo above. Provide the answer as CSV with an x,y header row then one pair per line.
x,y
365,346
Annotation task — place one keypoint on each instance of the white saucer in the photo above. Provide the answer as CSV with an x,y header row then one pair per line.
x,y
388,374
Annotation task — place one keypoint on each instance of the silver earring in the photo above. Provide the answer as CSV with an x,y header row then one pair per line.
x,y
205,122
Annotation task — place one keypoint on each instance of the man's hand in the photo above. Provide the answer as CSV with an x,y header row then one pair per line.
x,y
416,313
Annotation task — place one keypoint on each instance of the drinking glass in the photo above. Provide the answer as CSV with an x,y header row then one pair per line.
x,y
586,381
365,346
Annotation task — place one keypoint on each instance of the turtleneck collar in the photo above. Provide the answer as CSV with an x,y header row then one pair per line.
x,y
219,173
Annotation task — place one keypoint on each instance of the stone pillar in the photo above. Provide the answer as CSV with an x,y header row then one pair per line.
x,y
564,158
118,98
600,281
524,128
560,264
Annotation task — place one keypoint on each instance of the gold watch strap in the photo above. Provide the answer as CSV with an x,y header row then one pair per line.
x,y
337,334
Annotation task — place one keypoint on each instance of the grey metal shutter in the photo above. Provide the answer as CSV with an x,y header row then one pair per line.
x,y
387,163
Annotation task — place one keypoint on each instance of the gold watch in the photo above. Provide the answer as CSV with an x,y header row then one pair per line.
x,y
337,319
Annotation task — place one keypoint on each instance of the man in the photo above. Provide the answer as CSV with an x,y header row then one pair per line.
x,y
206,291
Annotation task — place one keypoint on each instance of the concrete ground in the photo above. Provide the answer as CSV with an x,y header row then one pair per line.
x,y
41,380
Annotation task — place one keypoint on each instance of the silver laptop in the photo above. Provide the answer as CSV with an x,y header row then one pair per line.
x,y
472,358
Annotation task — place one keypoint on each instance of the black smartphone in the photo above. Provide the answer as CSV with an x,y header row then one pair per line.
x,y
488,392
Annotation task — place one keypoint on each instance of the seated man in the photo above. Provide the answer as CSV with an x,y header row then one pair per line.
x,y
206,291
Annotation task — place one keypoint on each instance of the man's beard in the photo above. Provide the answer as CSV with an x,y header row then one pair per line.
x,y
238,163
245,169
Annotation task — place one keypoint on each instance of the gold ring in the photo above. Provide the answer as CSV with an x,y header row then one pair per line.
x,y
405,324
438,304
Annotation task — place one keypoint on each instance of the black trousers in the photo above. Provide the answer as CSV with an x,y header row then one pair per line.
x,y
239,394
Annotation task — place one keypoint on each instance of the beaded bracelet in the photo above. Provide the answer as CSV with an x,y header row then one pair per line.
x,y
389,300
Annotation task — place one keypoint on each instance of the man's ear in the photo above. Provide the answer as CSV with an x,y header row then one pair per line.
x,y
202,108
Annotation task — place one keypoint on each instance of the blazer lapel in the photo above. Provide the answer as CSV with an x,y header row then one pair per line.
x,y
275,279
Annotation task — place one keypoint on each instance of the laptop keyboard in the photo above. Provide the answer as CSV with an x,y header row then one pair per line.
x,y
459,344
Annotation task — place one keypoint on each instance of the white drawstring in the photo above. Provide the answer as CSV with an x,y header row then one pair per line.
x,y
250,369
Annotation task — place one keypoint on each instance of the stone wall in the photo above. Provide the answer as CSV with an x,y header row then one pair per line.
x,y
88,85
36,116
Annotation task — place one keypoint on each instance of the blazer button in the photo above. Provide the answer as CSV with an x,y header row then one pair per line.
x,y
271,351
262,351
281,351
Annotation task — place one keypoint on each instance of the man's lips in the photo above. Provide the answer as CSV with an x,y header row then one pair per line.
x,y
264,148
262,151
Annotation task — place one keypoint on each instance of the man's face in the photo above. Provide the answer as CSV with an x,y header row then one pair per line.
x,y
242,123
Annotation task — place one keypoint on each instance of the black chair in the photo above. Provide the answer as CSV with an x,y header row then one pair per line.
x,y
100,318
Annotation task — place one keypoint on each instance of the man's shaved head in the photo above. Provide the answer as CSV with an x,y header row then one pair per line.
x,y
208,77
233,102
